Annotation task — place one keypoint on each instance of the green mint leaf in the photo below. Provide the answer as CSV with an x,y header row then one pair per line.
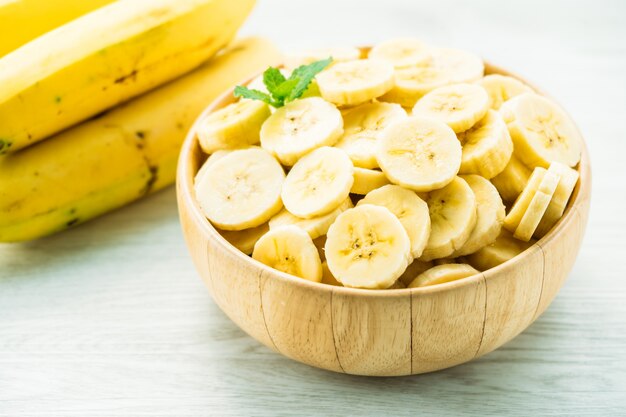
x,y
304,75
283,90
245,92
272,78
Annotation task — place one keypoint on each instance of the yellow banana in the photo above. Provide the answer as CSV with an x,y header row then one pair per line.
x,y
24,20
104,58
119,157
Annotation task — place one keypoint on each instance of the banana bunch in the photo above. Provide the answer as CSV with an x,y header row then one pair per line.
x,y
118,157
394,174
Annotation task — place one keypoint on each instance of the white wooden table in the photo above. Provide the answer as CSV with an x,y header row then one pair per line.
x,y
110,319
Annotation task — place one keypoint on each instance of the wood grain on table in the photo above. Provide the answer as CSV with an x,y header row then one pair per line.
x,y
111,319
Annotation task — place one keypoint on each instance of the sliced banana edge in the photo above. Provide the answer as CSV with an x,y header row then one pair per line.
x,y
366,180
355,82
367,247
541,131
515,214
459,106
419,153
512,180
411,210
300,127
487,147
490,215
337,53
443,273
402,52
233,126
318,183
414,269
505,247
291,250
244,240
569,178
453,218
502,88
229,184
537,207
316,226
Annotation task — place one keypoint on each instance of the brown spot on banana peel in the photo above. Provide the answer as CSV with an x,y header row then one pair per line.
x,y
72,222
152,179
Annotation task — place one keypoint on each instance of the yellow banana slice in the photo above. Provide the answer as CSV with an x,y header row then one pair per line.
x,y
362,128
541,131
234,126
337,53
459,106
537,207
402,52
490,215
289,249
502,88
367,247
228,187
446,66
244,240
452,217
316,226
569,178
318,183
487,146
504,248
411,210
355,82
212,158
512,180
419,154
366,180
414,269
515,214
443,273
300,127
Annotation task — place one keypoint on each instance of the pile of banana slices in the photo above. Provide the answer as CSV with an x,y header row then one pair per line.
x,y
394,170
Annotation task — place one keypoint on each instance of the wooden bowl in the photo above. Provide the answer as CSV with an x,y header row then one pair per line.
x,y
388,332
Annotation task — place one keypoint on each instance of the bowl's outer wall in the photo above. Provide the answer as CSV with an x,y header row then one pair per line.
x,y
383,333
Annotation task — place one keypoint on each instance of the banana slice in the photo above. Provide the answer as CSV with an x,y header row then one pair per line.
x,y
537,207
512,180
337,53
402,52
504,248
212,158
411,210
289,249
459,106
300,127
446,66
318,183
419,154
541,131
362,128
328,277
515,214
502,88
316,226
234,126
229,185
244,240
487,146
355,82
413,270
452,217
443,273
569,178
366,180
367,247
490,215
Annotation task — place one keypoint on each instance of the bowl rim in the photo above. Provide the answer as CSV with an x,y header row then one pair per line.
x,y
185,178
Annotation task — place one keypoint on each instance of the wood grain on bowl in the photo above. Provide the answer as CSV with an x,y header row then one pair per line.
x,y
370,332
